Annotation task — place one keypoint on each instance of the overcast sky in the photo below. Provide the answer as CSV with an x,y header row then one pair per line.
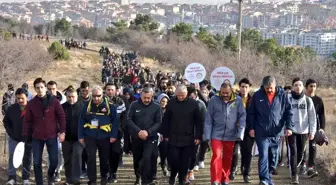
x,y
167,1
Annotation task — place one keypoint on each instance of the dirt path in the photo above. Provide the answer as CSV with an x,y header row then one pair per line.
x,y
85,65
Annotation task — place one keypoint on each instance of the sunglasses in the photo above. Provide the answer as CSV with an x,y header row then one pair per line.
x,y
96,96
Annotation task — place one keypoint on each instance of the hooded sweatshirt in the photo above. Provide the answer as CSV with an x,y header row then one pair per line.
x,y
161,96
304,115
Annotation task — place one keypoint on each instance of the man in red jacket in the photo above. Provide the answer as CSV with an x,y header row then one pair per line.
x,y
45,120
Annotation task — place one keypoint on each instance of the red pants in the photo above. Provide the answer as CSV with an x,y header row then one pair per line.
x,y
222,152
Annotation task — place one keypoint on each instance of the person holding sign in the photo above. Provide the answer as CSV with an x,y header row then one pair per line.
x,y
224,125
97,128
13,122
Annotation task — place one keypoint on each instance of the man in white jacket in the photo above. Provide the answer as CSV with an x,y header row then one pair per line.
x,y
304,118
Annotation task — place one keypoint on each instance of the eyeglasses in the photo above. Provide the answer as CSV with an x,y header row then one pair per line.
x,y
96,96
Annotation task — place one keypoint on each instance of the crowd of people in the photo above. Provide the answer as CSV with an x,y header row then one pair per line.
x,y
23,36
71,43
163,117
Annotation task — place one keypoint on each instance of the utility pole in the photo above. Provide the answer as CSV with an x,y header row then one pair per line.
x,y
240,20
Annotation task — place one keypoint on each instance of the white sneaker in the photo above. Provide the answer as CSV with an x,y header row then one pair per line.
x,y
26,182
196,168
201,165
11,182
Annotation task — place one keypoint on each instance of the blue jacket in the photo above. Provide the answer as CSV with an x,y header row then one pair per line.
x,y
225,121
268,120
104,119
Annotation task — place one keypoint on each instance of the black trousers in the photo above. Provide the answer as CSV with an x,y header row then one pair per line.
x,y
235,157
204,146
246,153
72,154
115,156
142,159
297,146
193,157
163,151
178,158
127,142
311,154
154,157
84,160
103,146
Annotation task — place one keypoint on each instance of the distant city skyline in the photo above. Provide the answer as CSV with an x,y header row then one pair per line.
x,y
165,1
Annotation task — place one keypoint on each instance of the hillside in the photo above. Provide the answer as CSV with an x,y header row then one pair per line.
x,y
86,65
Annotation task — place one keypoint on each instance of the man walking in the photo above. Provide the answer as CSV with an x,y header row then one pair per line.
x,y
13,122
311,86
268,113
144,120
46,119
182,128
224,125
52,89
304,118
116,148
72,149
97,128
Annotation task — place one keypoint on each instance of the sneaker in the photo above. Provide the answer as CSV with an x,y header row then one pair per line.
x,y
165,171
295,179
112,178
57,177
83,175
247,179
232,176
201,165
312,172
186,182
191,176
224,183
137,181
303,170
281,164
274,172
196,168
26,182
11,182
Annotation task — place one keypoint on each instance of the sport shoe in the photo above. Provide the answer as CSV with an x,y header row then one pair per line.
x,y
247,179
232,176
312,172
164,170
11,182
303,170
26,182
57,177
201,165
295,179
196,168
191,176
83,175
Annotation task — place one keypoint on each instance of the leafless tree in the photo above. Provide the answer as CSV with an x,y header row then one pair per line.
x,y
18,59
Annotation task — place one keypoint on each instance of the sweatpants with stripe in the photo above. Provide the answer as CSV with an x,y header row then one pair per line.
x,y
297,146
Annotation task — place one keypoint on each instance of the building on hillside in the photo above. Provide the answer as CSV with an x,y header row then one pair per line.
x,y
323,43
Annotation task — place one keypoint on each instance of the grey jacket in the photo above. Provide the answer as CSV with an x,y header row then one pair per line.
x,y
225,121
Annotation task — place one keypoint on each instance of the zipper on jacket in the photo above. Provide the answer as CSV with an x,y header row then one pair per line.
x,y
224,104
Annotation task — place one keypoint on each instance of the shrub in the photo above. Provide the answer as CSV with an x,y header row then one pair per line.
x,y
59,51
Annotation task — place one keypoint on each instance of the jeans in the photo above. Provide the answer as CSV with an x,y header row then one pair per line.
x,y
52,148
26,161
268,151
60,158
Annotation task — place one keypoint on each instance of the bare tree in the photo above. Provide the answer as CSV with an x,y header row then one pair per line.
x,y
18,59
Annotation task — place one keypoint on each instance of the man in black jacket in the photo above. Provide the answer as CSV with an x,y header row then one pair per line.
x,y
72,149
311,86
144,120
116,147
182,128
13,122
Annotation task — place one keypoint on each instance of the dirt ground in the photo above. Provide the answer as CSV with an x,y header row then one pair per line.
x,y
86,65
